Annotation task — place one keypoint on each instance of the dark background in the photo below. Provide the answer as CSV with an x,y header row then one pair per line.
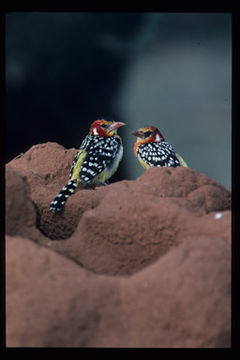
x,y
172,70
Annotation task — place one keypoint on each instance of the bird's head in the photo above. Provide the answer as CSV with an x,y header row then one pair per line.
x,y
105,128
147,134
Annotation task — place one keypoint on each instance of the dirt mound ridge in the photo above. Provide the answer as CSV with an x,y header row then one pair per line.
x,y
170,226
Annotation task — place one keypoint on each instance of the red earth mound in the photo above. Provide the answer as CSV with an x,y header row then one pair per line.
x,y
135,263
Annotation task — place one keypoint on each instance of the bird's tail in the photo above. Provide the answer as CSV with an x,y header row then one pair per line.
x,y
182,162
58,203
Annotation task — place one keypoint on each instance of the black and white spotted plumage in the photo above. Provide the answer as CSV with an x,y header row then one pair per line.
x,y
59,201
158,154
95,162
101,155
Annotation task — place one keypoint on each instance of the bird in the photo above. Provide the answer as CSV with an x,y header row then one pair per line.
x,y
152,150
95,162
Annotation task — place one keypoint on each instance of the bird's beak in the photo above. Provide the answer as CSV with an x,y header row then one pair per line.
x,y
116,125
138,134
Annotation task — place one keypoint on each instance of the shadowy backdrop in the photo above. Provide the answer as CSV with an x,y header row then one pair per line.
x,y
171,70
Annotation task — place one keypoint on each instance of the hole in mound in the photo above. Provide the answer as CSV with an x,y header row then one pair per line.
x,y
57,226
60,225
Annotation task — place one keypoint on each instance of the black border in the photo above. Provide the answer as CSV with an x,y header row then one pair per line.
x,y
2,187
150,7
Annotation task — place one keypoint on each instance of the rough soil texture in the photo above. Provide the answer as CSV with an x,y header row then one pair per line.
x,y
142,263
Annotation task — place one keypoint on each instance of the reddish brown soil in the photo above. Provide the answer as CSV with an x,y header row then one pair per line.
x,y
142,263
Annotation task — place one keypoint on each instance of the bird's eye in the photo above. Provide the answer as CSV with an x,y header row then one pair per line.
x,y
147,134
104,126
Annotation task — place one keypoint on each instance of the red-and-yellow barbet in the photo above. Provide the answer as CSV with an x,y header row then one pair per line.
x,y
152,150
95,162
